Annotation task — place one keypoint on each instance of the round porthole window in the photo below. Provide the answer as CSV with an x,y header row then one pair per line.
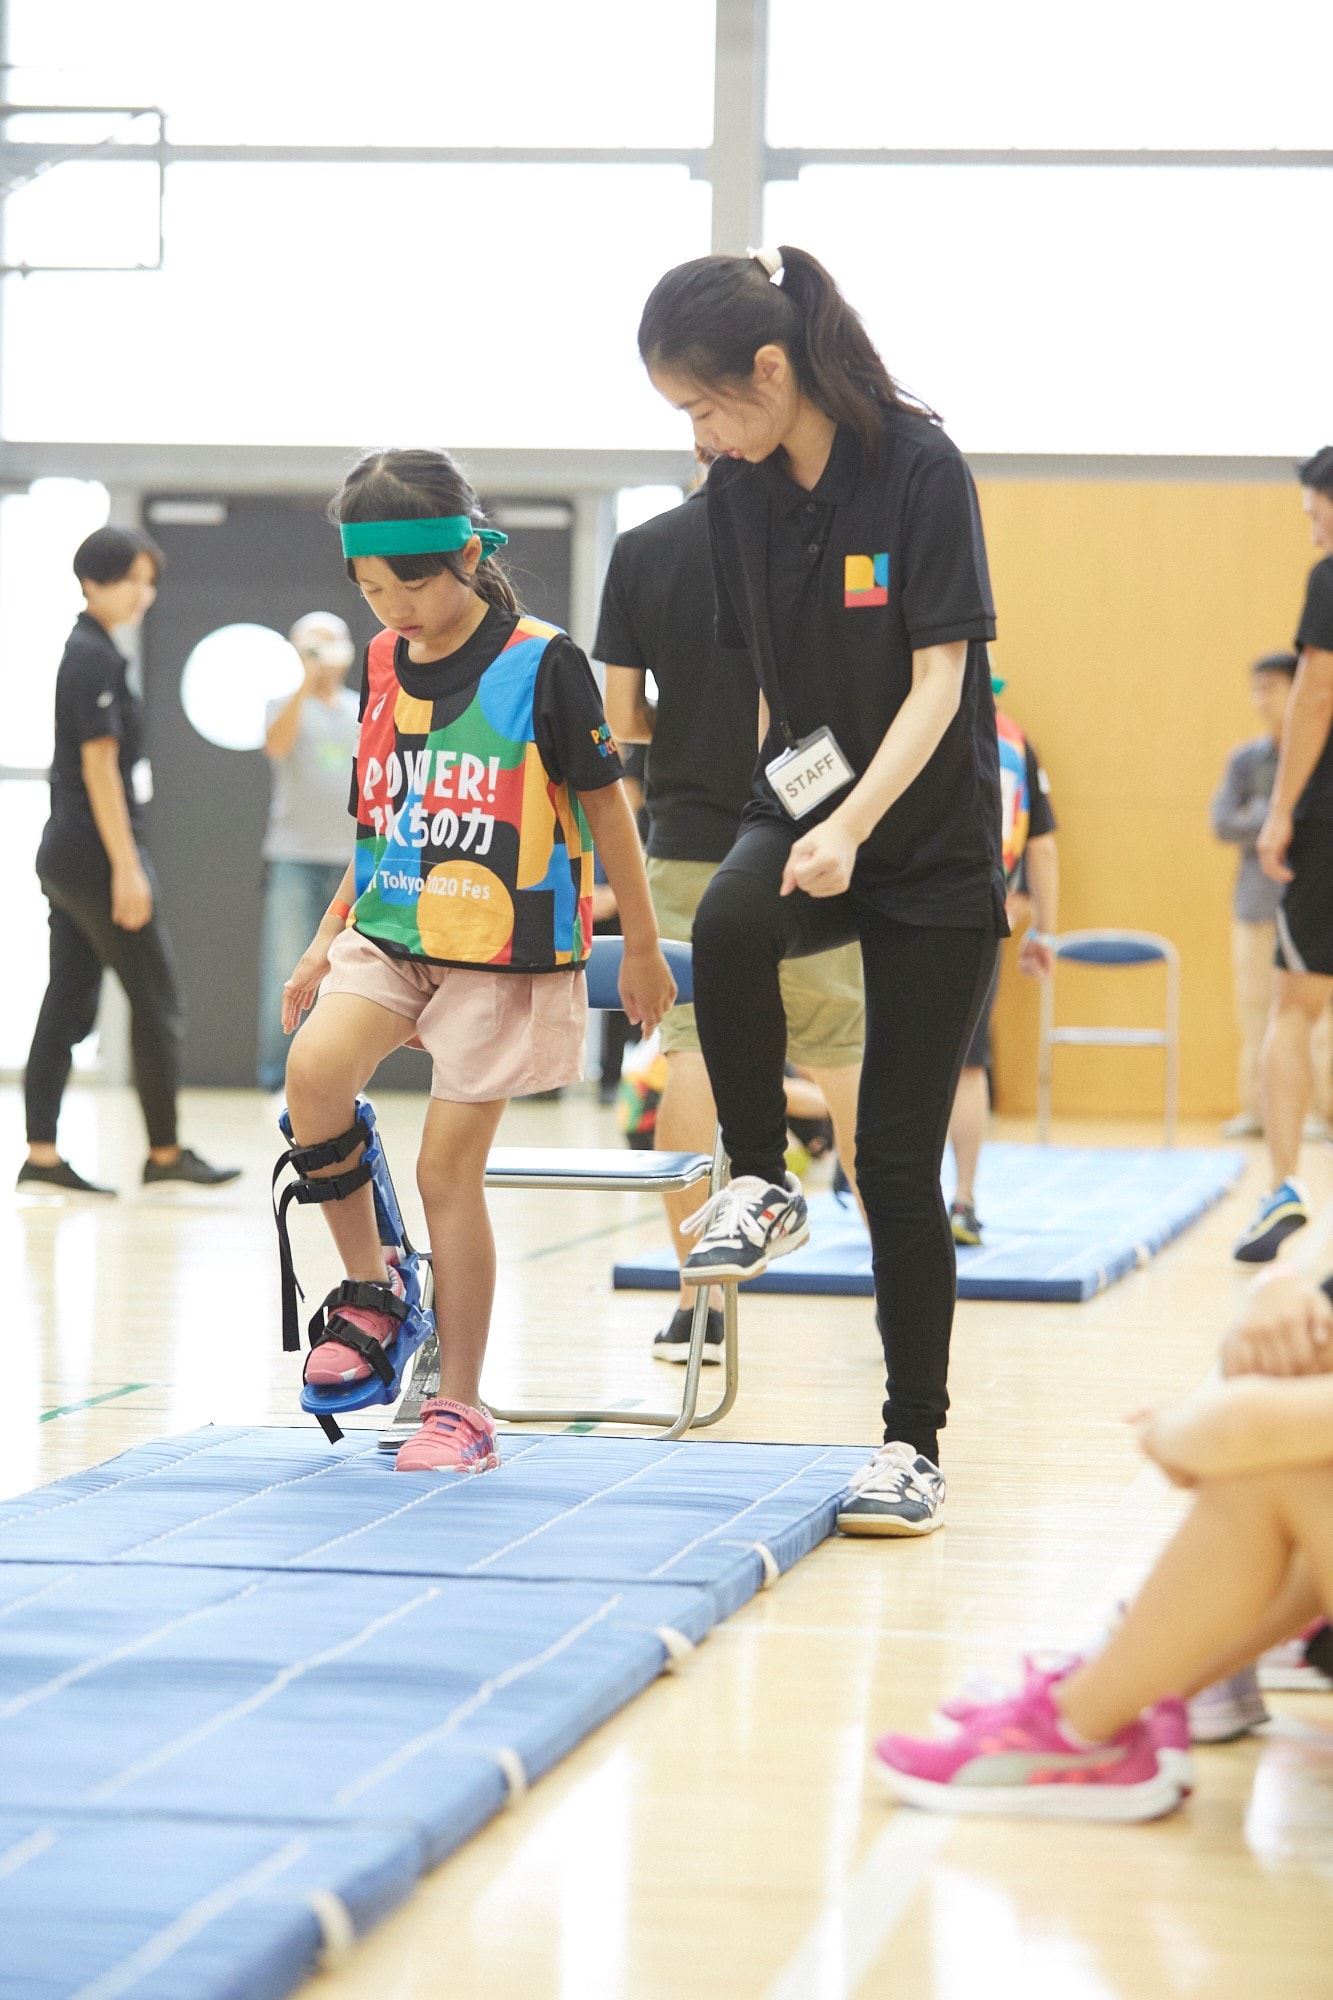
x,y
231,677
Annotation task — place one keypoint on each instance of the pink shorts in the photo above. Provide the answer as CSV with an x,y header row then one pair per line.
x,y
488,1034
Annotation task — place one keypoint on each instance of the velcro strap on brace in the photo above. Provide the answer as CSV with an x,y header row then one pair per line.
x,y
371,1298
333,1187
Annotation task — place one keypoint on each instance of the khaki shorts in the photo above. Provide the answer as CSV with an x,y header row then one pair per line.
x,y
489,1035
823,996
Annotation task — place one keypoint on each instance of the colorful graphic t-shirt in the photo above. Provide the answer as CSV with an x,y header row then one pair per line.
x,y
471,846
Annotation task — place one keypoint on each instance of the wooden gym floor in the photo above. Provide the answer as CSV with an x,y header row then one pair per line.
x,y
722,1837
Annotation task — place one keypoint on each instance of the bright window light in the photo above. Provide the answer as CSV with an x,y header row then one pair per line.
x,y
637,504
1094,309
408,72
1048,73
489,305
230,678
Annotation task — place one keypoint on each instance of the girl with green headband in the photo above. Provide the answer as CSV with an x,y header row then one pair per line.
x,y
484,772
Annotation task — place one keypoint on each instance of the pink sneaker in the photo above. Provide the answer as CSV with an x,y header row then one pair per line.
x,y
1299,1665
333,1363
1017,1758
1167,1720
453,1438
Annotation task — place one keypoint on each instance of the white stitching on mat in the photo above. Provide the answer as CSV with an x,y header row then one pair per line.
x,y
407,1751
109,1985
77,1499
26,1850
337,1932
19,1702
274,1486
772,1494
457,1484
569,1512
47,1590
281,1680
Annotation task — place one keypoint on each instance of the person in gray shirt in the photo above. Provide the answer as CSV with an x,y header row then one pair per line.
x,y
310,739
1238,812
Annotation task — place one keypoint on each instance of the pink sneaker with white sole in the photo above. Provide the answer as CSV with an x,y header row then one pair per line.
x,y
1167,1721
453,1438
1018,1759
333,1363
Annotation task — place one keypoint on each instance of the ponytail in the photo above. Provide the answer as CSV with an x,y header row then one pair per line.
x,y
709,318
421,485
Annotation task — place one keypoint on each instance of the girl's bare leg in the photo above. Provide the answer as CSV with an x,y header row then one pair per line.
x,y
331,1061
1295,1605
1223,1573
451,1175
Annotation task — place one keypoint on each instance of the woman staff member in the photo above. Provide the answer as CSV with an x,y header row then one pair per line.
x,y
849,560
99,881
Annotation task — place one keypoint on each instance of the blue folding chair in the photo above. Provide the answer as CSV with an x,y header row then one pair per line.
x,y
616,1171
1115,951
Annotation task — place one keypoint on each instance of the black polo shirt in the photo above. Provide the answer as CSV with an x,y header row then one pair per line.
x,y
657,617
1316,630
93,699
831,592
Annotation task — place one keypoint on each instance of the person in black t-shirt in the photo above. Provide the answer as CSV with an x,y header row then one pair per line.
x,y
1296,848
849,561
657,618
99,881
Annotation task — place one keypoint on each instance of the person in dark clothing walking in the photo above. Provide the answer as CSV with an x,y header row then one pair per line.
x,y
849,562
99,881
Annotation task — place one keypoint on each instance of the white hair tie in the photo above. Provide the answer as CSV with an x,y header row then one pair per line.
x,y
770,259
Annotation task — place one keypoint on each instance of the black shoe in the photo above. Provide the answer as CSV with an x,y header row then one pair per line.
x,y
188,1167
673,1342
61,1175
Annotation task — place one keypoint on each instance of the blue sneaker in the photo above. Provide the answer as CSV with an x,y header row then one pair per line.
x,y
1279,1216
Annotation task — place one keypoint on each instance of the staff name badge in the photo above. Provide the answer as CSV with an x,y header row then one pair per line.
x,y
141,782
804,776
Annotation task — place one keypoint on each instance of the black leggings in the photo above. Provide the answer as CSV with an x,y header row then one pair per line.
x,y
84,944
924,990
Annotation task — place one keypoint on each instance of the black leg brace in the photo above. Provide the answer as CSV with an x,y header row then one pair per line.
x,y
334,1187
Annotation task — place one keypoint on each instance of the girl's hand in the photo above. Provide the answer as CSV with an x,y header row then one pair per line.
x,y
821,862
1286,1329
647,989
1156,1441
1035,956
1275,837
299,993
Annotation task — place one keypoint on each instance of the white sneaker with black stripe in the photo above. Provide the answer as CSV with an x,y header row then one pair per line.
x,y
898,1492
743,1227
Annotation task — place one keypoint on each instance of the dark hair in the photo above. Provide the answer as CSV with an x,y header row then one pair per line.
x,y
418,486
108,555
1276,663
709,318
1318,471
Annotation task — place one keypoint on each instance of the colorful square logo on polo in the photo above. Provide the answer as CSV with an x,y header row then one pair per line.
x,y
865,581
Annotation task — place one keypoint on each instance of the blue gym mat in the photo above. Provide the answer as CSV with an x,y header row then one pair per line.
x,y
1061,1223
252,1684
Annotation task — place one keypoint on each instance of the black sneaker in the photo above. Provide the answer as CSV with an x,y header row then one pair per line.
x,y
743,1227
673,1342
61,1175
188,1167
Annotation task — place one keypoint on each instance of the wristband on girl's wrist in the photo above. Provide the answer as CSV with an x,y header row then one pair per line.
x,y
1041,937
342,911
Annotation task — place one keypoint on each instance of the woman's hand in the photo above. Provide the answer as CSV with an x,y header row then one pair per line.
x,y
299,993
821,862
1275,836
1286,1329
647,989
131,897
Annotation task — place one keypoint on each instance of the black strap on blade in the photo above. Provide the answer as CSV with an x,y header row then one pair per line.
x,y
334,1187
329,1324
331,1430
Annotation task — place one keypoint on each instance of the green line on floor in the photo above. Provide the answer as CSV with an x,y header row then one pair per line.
x,y
87,1403
593,1235
631,1403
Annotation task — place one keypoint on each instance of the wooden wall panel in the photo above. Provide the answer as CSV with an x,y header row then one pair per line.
x,y
1128,614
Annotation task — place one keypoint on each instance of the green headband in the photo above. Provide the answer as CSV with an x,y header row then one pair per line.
x,y
440,536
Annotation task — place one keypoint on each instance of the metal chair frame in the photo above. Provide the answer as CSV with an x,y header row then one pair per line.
x,y
584,1169
1081,947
